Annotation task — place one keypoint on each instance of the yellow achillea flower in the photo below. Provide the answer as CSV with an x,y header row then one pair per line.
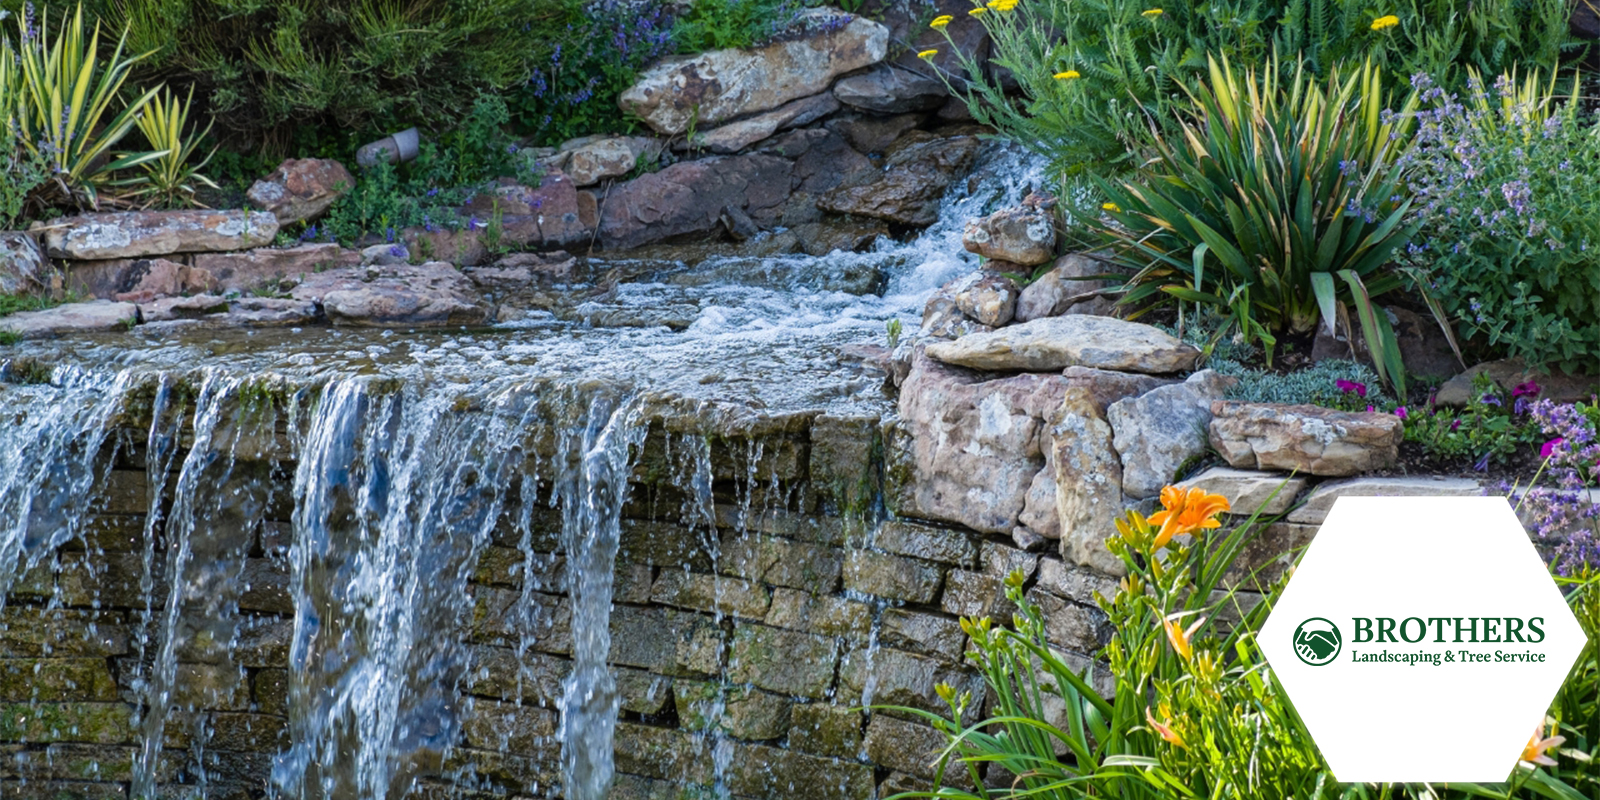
x,y
1112,207
927,54
1151,13
940,21
1069,75
1385,22
977,12
1002,5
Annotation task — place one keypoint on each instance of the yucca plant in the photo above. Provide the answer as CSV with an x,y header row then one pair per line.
x,y
172,178
71,111
1279,202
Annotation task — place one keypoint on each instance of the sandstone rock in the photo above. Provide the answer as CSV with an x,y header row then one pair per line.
x,y
1023,236
266,265
1159,431
1249,491
23,266
724,84
429,295
384,255
1306,439
942,318
301,189
886,89
91,317
1056,292
872,134
1055,343
554,214
1510,373
986,297
915,174
171,308
1087,481
130,234
736,136
1316,506
972,446
592,159
690,196
148,279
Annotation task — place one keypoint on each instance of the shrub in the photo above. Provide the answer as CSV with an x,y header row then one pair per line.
x,y
22,169
1096,76
1506,196
1280,204
720,24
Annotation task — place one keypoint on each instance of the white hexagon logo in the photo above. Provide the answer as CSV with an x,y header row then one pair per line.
x,y
1421,639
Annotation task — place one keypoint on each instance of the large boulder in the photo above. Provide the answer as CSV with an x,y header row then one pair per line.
x,y
92,317
592,159
690,197
1163,429
1085,475
1062,290
1025,236
1055,343
434,294
301,189
916,171
886,89
148,279
736,136
720,85
1303,438
23,266
131,234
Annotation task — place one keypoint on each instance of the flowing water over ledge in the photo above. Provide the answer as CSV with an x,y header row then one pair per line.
x,y
544,559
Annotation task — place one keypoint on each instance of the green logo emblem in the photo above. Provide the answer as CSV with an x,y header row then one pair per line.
x,y
1317,641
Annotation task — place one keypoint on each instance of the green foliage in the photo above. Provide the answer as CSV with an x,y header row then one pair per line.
x,y
22,170
1280,203
1507,199
171,179
1491,428
69,109
268,67
1133,62
721,24
1316,385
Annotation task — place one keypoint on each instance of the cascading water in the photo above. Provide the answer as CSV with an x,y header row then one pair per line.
x,y
408,455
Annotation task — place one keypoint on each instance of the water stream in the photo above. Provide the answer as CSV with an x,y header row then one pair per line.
x,y
404,453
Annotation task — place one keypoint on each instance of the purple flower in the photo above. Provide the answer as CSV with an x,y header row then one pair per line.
x,y
1371,409
1401,412
1550,447
1351,386
1529,387
1490,399
1483,464
1455,426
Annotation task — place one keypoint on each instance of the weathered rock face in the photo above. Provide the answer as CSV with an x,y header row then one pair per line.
x,y
986,297
301,189
1087,476
1163,429
254,268
1510,373
148,279
1059,291
1306,439
554,214
915,174
1249,491
210,311
430,295
23,267
91,317
592,159
736,136
720,85
1055,343
890,90
872,134
1025,236
971,446
1317,505
130,234
690,196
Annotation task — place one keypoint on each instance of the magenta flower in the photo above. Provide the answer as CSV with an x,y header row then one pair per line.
x,y
1455,426
1401,412
1371,409
1550,447
1530,388
1351,386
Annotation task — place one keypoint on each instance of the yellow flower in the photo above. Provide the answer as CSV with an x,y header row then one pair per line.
x,y
977,12
1186,512
1180,637
940,21
1164,731
1533,752
1069,75
927,54
1385,22
1005,5
1112,207
1151,13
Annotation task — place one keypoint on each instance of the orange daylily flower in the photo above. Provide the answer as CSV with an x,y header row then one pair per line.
x,y
1164,731
1534,752
1180,637
1186,511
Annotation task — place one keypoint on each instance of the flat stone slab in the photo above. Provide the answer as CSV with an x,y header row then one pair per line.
x,y
1304,438
91,317
1249,491
1321,499
1054,343
131,234
428,295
